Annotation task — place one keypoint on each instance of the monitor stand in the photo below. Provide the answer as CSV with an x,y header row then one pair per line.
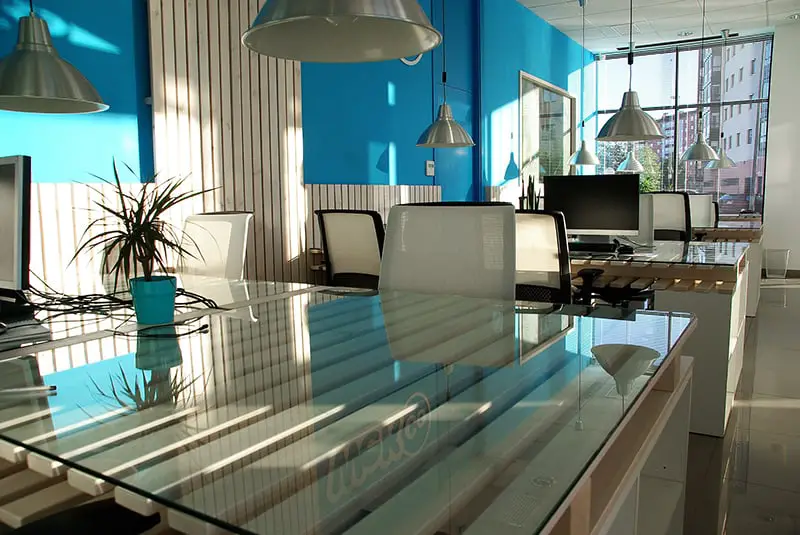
x,y
13,307
593,244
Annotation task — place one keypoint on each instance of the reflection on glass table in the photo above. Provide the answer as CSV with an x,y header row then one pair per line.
x,y
673,252
62,316
387,413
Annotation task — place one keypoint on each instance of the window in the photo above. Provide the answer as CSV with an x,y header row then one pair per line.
x,y
686,83
752,67
547,137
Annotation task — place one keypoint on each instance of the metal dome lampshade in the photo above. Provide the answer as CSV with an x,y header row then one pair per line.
x,y
630,164
583,156
630,123
34,78
699,151
445,132
724,161
341,31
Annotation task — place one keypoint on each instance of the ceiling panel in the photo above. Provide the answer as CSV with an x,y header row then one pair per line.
x,y
660,20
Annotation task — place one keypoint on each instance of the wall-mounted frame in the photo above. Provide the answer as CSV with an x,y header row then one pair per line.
x,y
547,126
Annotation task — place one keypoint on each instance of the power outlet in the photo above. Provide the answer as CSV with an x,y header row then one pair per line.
x,y
430,168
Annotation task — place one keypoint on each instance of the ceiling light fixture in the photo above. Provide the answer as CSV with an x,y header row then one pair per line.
x,y
630,164
630,123
685,33
445,132
35,79
794,16
700,151
583,156
341,31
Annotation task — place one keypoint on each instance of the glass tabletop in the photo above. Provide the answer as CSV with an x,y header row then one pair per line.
x,y
57,321
712,254
328,412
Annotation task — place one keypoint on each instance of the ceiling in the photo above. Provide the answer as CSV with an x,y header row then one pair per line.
x,y
661,20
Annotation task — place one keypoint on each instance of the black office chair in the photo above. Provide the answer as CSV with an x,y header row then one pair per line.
x,y
95,518
352,242
587,294
672,216
716,214
543,265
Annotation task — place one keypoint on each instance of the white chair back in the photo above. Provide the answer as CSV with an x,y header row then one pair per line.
x,y
218,243
538,260
671,215
701,207
451,248
351,242
645,236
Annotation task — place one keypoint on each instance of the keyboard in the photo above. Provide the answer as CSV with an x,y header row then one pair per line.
x,y
589,247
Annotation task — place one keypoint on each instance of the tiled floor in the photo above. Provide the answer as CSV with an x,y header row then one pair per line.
x,y
749,482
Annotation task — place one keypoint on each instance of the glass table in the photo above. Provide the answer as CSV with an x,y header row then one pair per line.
x,y
55,325
337,412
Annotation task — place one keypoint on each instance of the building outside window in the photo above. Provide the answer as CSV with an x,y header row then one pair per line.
x,y
677,86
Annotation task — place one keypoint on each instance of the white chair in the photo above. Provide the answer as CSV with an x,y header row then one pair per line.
x,y
217,243
645,235
543,266
352,241
672,219
464,249
701,207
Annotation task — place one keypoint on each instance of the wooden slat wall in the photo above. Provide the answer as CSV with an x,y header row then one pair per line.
x,y
230,120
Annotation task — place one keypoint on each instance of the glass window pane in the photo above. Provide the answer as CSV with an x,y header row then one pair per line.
x,y
547,132
688,77
653,79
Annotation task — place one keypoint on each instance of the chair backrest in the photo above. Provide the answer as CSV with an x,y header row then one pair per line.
x,y
543,256
217,242
353,243
672,219
465,249
701,207
716,214
646,234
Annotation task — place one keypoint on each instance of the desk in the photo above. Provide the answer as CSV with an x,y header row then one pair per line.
x,y
709,280
743,231
398,413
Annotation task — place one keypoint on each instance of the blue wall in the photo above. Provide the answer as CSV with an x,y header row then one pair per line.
x,y
361,121
108,42
514,39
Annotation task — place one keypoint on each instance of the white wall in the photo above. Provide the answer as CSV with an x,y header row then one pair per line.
x,y
782,197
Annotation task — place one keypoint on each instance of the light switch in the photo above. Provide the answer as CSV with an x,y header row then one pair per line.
x,y
430,168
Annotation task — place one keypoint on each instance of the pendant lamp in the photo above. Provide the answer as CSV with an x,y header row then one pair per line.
x,y
630,164
583,156
625,363
630,123
700,151
724,161
445,132
35,79
341,31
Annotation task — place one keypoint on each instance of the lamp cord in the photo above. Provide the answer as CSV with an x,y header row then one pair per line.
x,y
444,52
703,59
583,67
630,52
31,3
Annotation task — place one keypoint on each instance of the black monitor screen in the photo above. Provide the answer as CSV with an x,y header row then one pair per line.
x,y
595,204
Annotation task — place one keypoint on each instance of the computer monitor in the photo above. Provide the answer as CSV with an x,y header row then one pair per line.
x,y
595,205
15,215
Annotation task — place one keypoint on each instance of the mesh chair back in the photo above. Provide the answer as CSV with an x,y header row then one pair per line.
x,y
543,268
217,243
353,244
701,207
672,218
462,249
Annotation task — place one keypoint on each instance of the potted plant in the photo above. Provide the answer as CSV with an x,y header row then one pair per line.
x,y
134,235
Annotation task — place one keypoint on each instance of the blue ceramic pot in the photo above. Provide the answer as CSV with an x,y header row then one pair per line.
x,y
154,300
